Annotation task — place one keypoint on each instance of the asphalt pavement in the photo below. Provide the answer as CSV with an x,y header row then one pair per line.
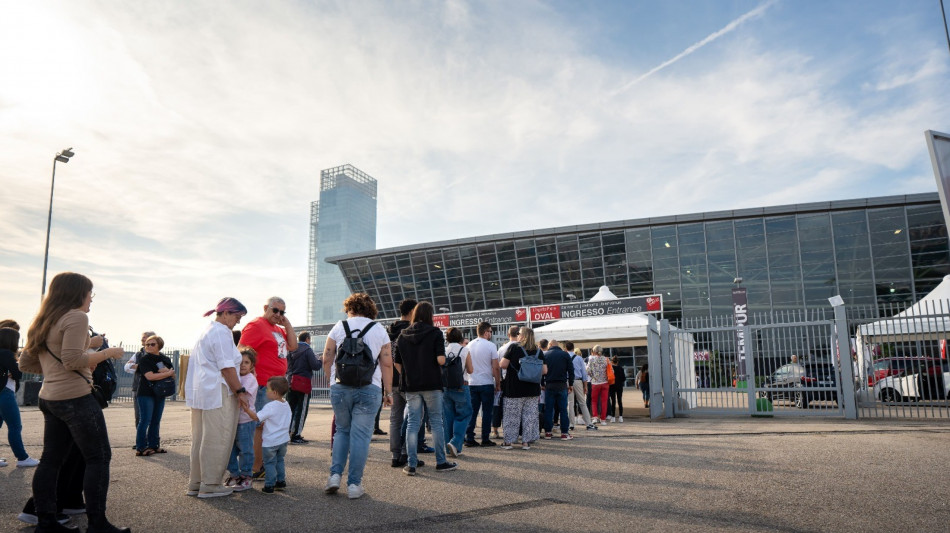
x,y
685,474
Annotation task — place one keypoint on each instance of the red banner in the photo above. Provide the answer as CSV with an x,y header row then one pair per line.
x,y
545,313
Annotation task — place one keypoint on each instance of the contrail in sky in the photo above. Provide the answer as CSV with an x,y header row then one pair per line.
x,y
710,38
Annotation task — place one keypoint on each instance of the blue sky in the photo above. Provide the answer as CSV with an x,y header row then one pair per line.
x,y
200,127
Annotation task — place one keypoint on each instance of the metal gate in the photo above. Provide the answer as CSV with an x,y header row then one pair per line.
x,y
790,368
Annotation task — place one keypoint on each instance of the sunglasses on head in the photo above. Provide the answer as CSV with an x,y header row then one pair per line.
x,y
278,311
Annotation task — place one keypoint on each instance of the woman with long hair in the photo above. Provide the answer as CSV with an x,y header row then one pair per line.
x,y
521,397
56,347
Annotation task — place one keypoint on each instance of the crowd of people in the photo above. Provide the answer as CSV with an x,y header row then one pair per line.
x,y
248,392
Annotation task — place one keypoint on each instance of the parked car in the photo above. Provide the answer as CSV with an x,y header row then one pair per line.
x,y
783,382
895,366
797,382
924,379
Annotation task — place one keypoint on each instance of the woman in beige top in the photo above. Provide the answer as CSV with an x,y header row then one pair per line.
x,y
56,347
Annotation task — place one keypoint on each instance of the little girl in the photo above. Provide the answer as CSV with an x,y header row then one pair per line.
x,y
242,453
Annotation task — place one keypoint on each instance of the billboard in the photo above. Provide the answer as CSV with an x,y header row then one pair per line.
x,y
637,304
939,145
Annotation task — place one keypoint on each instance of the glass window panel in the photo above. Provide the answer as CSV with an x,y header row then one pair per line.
x,y
545,245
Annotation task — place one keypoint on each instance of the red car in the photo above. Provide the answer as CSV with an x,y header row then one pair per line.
x,y
895,366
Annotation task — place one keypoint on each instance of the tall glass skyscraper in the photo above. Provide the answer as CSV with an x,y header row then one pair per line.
x,y
342,221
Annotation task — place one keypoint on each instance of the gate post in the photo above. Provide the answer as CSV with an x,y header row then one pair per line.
x,y
749,367
655,362
666,352
843,349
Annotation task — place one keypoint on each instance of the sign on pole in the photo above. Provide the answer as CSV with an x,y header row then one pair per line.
x,y
740,305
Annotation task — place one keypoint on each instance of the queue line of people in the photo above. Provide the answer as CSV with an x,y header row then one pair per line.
x,y
229,386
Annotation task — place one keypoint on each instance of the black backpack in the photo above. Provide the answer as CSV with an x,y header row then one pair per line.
x,y
355,364
453,374
104,376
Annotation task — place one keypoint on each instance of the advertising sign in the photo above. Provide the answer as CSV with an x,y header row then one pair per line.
x,y
740,304
472,318
636,304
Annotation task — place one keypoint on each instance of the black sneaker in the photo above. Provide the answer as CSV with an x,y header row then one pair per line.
x,y
489,443
378,431
472,443
419,462
446,467
267,490
280,485
258,476
399,463
297,439
409,471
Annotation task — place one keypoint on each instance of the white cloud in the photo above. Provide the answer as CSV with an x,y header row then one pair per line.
x,y
200,130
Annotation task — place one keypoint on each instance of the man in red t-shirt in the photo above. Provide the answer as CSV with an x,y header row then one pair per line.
x,y
272,337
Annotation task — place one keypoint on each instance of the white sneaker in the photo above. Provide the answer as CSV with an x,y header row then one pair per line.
x,y
595,420
28,462
613,419
241,484
620,419
333,484
3,462
215,492
354,491
449,447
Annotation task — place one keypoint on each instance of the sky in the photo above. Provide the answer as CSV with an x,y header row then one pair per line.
x,y
200,128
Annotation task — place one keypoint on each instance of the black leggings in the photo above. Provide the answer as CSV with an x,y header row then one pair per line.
x,y
78,422
615,401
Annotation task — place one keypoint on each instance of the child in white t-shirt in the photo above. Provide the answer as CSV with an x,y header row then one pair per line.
x,y
241,464
275,418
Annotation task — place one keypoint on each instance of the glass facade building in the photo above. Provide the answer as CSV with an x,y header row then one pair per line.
x,y
342,221
874,252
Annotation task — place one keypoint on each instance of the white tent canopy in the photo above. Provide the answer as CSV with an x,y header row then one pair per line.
x,y
928,319
624,330
925,320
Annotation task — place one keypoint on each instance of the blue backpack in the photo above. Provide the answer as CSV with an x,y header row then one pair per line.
x,y
532,368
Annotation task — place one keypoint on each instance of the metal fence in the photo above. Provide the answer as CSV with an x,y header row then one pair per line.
x,y
320,393
893,367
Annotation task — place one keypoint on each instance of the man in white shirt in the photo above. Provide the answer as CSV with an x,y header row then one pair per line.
x,y
484,383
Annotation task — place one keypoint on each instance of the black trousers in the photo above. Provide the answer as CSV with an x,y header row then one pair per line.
x,y
615,401
68,484
77,422
299,404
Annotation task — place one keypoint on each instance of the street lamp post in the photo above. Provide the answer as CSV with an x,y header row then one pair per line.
x,y
62,157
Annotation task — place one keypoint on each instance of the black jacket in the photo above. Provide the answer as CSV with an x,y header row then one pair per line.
x,y
418,348
303,362
9,369
395,329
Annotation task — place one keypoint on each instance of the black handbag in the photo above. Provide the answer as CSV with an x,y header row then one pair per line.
x,y
163,388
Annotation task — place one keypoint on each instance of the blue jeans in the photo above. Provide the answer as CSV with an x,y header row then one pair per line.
x,y
556,399
150,421
10,413
355,412
414,403
274,464
483,396
241,462
457,410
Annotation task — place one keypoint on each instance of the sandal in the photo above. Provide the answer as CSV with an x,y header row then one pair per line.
x,y
148,451
139,453
161,450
